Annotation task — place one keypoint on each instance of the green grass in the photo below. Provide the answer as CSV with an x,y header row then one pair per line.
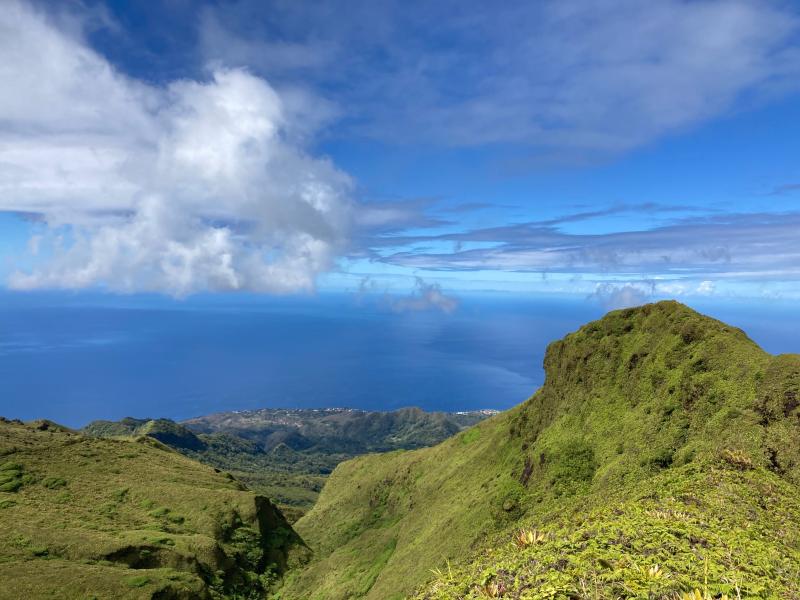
x,y
685,529
287,454
660,437
137,581
129,519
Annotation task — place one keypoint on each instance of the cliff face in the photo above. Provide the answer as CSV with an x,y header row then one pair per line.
x,y
641,464
129,519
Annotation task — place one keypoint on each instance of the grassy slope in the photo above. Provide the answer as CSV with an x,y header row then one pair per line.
x,y
291,483
287,454
660,437
83,517
716,529
380,521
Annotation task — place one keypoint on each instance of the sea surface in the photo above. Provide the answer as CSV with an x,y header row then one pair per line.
x,y
73,358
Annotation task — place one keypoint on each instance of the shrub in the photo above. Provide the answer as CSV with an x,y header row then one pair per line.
x,y
137,581
11,486
6,476
737,459
54,483
571,464
120,494
12,477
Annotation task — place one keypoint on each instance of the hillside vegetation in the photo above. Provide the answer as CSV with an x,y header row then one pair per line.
x,y
661,457
287,454
82,517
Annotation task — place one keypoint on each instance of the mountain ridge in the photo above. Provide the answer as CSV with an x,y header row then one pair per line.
x,y
130,518
660,459
654,394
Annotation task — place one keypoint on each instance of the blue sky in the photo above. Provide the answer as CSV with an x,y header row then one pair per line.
x,y
621,150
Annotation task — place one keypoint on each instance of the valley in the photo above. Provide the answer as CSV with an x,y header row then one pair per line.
x,y
287,454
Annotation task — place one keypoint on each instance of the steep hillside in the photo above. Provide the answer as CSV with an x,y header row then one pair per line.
x,y
660,456
84,517
286,454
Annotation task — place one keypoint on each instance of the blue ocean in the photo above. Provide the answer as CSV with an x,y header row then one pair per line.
x,y
75,358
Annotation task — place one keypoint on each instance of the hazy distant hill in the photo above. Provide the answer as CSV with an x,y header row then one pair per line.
x,y
661,457
287,453
83,517
338,430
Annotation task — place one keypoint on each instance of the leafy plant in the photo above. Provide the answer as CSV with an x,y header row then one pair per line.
x,y
527,537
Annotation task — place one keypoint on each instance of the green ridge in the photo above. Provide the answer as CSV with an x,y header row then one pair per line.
x,y
660,456
110,518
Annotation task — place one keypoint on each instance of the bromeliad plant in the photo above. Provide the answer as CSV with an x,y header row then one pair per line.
x,y
528,537
698,595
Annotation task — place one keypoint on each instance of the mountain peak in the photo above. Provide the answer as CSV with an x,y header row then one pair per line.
x,y
656,402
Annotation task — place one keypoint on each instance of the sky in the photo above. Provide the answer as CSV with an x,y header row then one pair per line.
x,y
621,151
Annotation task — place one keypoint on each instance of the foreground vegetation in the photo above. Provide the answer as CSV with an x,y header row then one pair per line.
x,y
660,458
94,518
286,454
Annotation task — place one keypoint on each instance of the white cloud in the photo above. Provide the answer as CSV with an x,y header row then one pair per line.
x,y
613,296
634,293
426,296
705,288
178,188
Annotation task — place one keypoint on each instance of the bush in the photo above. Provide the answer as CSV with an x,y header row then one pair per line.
x,y
11,486
571,464
54,483
737,459
138,581
12,477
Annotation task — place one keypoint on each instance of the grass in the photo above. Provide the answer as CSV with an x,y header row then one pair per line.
x,y
129,519
287,454
662,446
684,530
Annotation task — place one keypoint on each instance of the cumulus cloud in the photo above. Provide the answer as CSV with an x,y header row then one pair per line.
x,y
613,296
425,296
182,187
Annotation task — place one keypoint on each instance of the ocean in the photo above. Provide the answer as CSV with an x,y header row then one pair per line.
x,y
74,358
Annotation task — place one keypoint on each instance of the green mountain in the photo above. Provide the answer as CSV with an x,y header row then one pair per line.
x,y
661,456
287,454
660,459
84,517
